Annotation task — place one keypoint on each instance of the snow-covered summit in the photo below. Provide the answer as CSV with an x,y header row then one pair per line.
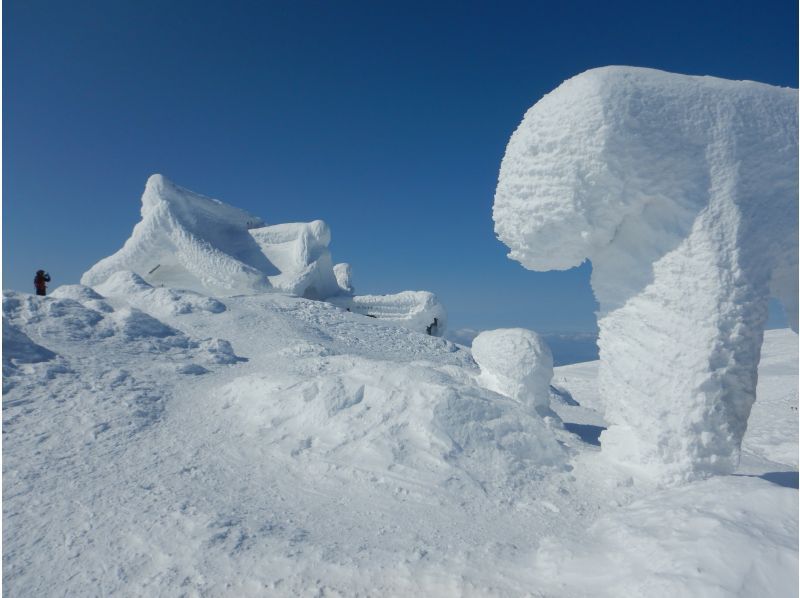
x,y
683,192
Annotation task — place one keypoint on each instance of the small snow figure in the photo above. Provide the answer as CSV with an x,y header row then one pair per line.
x,y
40,282
433,329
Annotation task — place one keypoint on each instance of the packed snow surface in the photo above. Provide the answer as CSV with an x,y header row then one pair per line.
x,y
683,193
167,444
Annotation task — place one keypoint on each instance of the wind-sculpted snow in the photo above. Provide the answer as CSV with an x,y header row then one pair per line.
x,y
417,310
188,248
344,277
189,241
517,363
682,191
300,252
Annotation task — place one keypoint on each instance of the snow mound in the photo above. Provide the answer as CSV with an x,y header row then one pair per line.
x,y
131,288
717,538
19,348
408,419
683,192
417,310
189,241
84,295
517,363
61,319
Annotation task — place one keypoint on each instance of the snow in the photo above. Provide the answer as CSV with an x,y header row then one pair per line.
x,y
684,543
416,310
285,447
517,363
683,193
300,251
128,287
189,249
194,421
344,278
189,241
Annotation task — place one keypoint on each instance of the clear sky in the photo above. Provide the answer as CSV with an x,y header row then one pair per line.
x,y
388,120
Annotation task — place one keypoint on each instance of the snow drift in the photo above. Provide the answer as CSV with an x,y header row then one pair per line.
x,y
682,191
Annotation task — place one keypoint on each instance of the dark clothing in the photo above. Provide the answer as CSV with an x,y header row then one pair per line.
x,y
40,282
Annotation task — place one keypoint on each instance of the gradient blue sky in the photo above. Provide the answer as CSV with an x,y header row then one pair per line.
x,y
386,119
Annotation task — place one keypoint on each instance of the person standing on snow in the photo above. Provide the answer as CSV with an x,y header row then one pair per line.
x,y
40,282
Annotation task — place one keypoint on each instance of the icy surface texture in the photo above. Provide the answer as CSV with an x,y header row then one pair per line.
x,y
517,363
417,310
682,191
189,241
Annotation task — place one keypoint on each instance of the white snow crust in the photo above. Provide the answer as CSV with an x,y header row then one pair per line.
x,y
286,447
683,193
517,363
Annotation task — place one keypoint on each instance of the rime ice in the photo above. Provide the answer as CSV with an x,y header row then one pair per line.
x,y
682,191
188,246
193,242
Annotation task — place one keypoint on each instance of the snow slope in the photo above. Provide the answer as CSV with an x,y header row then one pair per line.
x,y
156,444
683,192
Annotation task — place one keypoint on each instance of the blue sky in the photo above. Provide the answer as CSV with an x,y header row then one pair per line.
x,y
387,120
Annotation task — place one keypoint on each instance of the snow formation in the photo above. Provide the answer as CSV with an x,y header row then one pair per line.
x,y
188,246
682,191
189,241
517,363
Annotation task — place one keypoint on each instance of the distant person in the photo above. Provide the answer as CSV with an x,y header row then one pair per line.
x,y
433,329
40,282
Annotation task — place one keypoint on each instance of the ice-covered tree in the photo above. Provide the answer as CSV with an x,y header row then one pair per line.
x,y
683,193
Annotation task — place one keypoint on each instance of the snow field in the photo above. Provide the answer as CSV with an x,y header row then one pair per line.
x,y
333,454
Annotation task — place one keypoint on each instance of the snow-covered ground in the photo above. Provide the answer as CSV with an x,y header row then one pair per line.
x,y
164,443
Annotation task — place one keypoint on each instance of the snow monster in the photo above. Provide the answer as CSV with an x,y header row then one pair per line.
x,y
683,193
